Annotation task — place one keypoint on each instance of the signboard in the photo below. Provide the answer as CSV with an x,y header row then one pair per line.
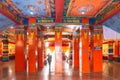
x,y
71,20
97,48
45,20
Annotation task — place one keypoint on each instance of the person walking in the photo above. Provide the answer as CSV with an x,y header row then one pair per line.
x,y
49,60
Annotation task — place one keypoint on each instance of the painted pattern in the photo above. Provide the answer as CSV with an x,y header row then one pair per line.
x,y
85,7
31,8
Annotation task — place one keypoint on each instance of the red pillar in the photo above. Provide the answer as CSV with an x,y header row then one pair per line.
x,y
116,49
58,50
85,50
40,50
0,50
32,48
76,50
97,53
20,64
32,45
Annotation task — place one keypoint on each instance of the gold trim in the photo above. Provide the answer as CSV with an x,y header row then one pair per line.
x,y
69,7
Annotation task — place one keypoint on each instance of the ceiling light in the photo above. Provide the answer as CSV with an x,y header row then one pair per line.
x,y
85,8
11,27
31,13
82,12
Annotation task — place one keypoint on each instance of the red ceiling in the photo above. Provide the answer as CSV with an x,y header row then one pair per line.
x,y
88,7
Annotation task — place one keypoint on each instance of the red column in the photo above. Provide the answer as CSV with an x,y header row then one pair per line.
x,y
40,50
97,53
85,50
32,48
0,50
58,50
116,48
76,50
20,64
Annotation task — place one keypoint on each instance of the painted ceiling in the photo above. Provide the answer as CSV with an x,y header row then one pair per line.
x,y
86,7
72,8
32,8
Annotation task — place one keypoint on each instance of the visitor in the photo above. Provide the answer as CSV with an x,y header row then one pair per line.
x,y
49,60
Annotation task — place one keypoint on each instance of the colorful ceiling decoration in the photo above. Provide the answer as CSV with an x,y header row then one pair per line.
x,y
5,22
32,8
87,8
50,11
109,11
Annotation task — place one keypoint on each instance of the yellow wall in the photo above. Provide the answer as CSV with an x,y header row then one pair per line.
x,y
105,49
11,48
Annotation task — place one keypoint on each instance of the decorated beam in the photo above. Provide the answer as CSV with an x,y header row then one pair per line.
x,y
45,20
59,10
84,20
111,10
8,13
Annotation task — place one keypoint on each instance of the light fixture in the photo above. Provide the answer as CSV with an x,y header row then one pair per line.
x,y
11,27
85,8
31,13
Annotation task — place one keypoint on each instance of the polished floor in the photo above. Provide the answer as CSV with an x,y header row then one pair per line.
x,y
111,71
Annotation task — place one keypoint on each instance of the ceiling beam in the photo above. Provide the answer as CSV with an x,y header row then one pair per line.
x,y
5,11
110,14
59,10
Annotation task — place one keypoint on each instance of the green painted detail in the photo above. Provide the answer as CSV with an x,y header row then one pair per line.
x,y
77,36
100,27
61,24
116,0
40,32
58,30
97,32
66,4
99,17
107,8
19,32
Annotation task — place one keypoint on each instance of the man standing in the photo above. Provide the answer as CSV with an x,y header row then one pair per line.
x,y
49,60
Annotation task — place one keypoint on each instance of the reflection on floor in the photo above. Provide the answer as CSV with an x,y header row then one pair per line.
x,y
111,71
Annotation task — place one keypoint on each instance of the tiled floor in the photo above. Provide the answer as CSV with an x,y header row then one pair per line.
x,y
111,71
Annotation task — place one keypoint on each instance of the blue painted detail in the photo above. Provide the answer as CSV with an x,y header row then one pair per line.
x,y
25,21
92,21
5,59
113,23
